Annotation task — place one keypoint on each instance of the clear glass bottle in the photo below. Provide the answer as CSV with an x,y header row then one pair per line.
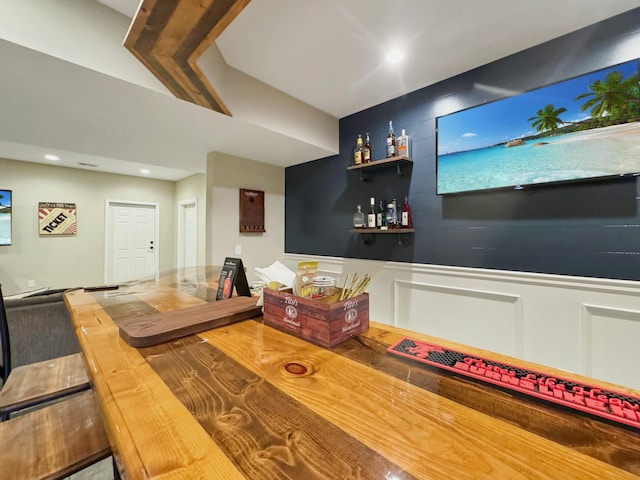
x,y
396,223
403,144
357,152
391,142
391,216
407,222
358,218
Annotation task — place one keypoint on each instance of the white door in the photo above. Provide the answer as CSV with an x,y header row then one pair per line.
x,y
188,233
131,241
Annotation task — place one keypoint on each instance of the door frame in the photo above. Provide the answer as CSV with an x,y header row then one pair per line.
x,y
181,211
110,203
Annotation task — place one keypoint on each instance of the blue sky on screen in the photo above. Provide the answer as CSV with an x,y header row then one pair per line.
x,y
5,201
506,119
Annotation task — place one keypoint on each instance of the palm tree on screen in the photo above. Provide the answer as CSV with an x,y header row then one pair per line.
x,y
547,118
613,97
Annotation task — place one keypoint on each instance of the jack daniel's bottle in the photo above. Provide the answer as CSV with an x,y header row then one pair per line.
x,y
366,151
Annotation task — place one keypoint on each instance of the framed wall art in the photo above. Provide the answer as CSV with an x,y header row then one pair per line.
x,y
57,219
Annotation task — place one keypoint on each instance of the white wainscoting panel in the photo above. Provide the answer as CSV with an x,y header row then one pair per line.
x,y
610,346
584,325
488,320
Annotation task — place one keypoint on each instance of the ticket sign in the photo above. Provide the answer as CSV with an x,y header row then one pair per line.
x,y
232,276
57,218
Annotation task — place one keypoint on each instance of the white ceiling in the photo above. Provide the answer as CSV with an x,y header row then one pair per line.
x,y
330,53
327,53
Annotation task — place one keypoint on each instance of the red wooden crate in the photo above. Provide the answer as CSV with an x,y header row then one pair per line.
x,y
324,324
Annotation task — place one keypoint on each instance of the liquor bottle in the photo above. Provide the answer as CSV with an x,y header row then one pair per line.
x,y
403,144
391,216
358,218
357,152
396,223
371,216
381,220
366,152
407,222
391,142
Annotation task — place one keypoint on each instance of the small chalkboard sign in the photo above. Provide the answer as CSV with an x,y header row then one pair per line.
x,y
232,275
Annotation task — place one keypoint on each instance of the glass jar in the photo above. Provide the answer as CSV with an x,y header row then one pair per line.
x,y
323,287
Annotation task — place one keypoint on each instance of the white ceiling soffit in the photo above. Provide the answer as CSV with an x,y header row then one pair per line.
x,y
330,53
63,106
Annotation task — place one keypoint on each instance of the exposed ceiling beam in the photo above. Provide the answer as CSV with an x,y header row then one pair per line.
x,y
168,37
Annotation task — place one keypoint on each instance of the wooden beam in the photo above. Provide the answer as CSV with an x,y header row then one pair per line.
x,y
168,37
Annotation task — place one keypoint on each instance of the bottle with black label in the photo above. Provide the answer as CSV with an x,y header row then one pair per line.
x,y
366,151
371,216
380,216
391,142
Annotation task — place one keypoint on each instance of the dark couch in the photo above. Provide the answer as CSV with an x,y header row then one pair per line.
x,y
40,328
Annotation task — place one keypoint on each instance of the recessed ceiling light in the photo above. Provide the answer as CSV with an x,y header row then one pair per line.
x,y
53,158
394,56
145,171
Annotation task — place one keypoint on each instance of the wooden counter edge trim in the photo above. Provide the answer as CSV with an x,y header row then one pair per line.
x,y
207,460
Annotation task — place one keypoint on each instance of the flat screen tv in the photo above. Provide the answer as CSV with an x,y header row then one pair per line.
x,y
5,217
586,127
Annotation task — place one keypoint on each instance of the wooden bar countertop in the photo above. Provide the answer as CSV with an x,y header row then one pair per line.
x,y
246,401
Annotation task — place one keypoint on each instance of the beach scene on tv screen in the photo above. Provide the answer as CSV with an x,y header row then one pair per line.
x,y
583,128
5,217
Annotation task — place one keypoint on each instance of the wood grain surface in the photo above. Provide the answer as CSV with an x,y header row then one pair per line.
x,y
158,327
246,401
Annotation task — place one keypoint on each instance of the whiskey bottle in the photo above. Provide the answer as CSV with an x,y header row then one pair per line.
x,y
357,153
366,152
371,216
407,222
391,142
358,218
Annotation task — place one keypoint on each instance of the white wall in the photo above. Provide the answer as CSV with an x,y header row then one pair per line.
x,y
584,325
226,174
194,187
60,262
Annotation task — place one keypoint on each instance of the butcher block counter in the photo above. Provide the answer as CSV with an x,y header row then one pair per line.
x,y
246,401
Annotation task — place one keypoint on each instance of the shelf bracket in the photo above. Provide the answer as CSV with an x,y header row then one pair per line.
x,y
402,241
366,239
398,170
362,177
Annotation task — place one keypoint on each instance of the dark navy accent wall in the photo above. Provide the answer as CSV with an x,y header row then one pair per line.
x,y
587,229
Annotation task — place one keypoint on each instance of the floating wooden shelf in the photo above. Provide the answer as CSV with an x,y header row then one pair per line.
x,y
377,230
386,162
379,163
364,232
